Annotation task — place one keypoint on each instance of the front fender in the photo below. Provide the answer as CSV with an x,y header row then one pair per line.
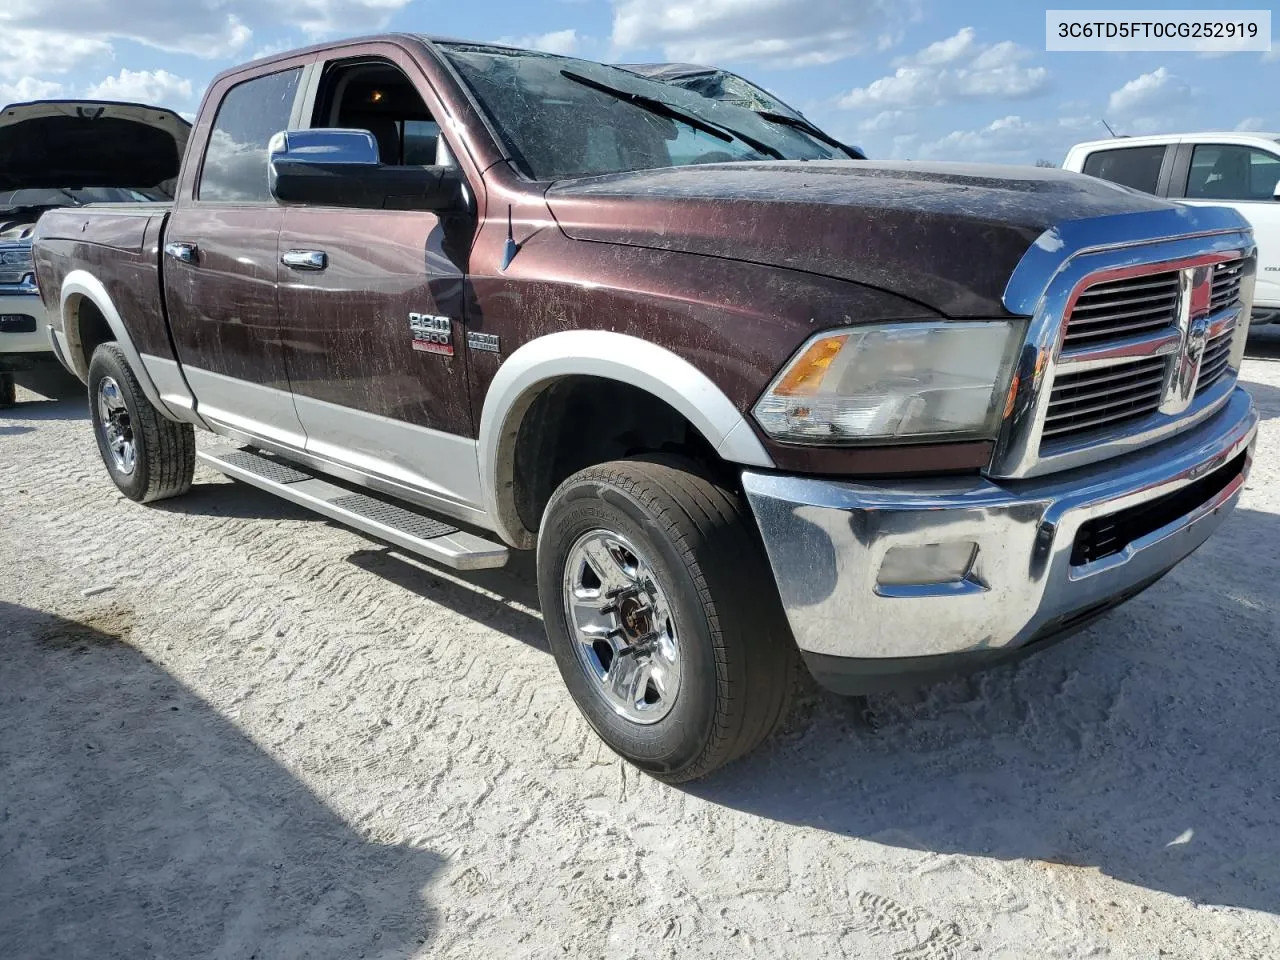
x,y
610,356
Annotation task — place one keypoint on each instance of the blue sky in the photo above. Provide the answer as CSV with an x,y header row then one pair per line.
x,y
902,78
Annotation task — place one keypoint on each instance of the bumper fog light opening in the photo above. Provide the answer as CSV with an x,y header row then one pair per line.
x,y
928,565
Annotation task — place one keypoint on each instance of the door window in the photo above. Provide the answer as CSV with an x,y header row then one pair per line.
x,y
235,161
1137,167
376,96
1222,171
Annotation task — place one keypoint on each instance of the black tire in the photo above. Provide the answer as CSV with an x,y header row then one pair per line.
x,y
164,451
737,660
8,391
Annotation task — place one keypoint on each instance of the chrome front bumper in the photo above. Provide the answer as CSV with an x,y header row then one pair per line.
x,y
827,541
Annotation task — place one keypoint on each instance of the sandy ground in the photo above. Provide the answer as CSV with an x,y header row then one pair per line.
x,y
233,730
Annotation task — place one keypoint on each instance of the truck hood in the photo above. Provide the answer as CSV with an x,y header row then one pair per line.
x,y
946,235
49,144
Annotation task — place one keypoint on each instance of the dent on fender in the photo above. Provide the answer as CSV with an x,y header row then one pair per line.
x,y
611,356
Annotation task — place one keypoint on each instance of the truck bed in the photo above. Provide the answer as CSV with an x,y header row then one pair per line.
x,y
119,244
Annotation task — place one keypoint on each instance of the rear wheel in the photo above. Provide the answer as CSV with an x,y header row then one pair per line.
x,y
148,456
663,616
8,391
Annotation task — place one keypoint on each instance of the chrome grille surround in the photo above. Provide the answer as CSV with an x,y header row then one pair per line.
x,y
1057,417
15,261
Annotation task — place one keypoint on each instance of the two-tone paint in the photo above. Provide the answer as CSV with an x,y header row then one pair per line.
x,y
695,284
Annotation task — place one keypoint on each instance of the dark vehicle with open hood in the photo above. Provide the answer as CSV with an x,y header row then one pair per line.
x,y
58,153
751,402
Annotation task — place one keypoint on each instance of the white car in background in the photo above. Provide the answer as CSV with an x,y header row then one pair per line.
x,y
1237,170
66,153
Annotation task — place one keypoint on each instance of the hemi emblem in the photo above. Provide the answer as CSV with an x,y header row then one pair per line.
x,y
487,342
431,334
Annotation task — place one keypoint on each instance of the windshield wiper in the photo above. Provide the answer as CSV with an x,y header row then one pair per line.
x,y
663,109
796,123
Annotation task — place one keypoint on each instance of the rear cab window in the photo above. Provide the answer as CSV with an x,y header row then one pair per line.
x,y
1223,171
1136,167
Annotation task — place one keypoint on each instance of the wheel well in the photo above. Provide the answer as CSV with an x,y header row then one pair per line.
x,y
87,329
577,422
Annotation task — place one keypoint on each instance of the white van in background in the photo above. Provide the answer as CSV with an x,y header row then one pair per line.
x,y
1237,170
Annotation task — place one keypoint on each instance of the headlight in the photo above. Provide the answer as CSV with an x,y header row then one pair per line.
x,y
895,382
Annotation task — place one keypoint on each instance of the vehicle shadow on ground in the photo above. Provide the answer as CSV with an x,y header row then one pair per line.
x,y
466,592
1142,748
1265,397
43,409
1264,343
139,822
222,498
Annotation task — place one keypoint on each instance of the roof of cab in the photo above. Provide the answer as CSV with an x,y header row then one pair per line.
x,y
1164,138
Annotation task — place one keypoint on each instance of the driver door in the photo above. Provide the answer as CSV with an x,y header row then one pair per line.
x,y
371,305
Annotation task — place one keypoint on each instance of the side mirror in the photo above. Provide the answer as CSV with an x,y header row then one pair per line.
x,y
341,168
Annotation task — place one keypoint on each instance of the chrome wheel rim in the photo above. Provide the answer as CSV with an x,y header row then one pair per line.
x,y
117,427
624,633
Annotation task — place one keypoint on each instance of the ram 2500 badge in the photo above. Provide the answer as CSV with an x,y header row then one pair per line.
x,y
745,398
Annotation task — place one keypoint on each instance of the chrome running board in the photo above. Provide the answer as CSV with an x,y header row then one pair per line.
x,y
409,529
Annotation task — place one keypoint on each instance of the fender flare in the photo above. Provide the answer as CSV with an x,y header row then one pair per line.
x,y
82,284
606,355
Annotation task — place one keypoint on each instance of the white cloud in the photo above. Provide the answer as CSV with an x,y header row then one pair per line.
x,y
961,46
205,28
779,33
202,28
557,41
1149,93
24,52
158,87
319,18
1251,123
1009,139
28,88
883,122
908,87
956,68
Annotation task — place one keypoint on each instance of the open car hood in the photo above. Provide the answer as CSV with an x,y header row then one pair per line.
x,y
49,144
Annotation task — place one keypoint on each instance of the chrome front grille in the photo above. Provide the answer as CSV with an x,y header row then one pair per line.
x,y
1100,399
1119,309
1216,361
1226,284
1136,326
15,262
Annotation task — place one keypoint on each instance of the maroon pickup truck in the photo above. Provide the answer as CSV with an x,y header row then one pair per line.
x,y
750,400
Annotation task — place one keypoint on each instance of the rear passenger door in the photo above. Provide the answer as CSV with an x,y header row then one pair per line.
x,y
1243,177
1144,168
220,261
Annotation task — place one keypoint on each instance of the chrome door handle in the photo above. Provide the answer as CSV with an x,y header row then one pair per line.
x,y
305,259
182,251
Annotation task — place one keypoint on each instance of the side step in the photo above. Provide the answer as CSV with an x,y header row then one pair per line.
x,y
416,532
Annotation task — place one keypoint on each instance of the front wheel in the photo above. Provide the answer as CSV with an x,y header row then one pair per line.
x,y
663,616
149,456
